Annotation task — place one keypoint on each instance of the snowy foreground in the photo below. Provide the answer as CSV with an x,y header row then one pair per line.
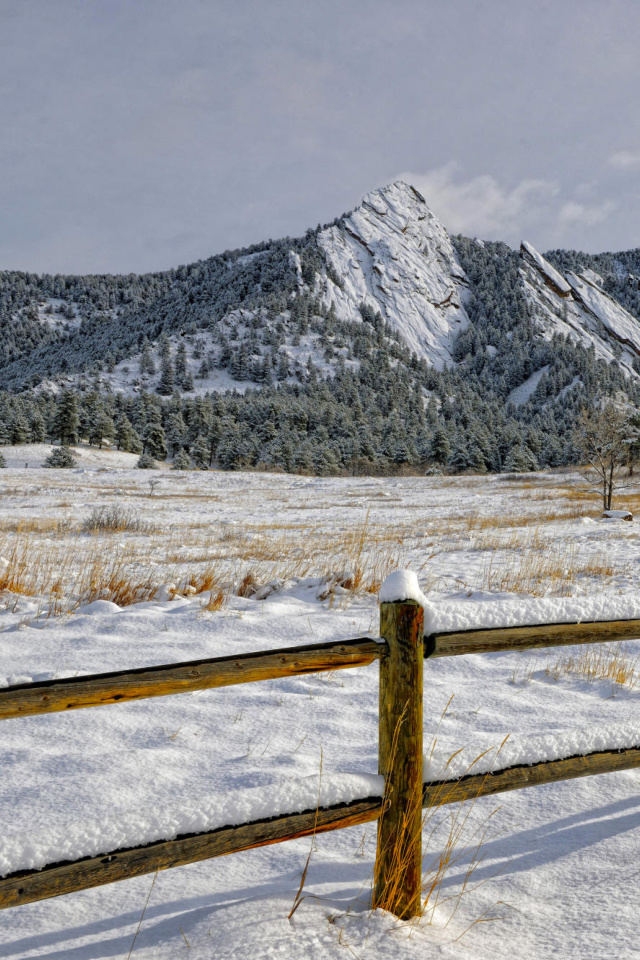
x,y
555,866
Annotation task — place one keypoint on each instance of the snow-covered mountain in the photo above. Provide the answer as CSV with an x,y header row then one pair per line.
x,y
577,306
393,254
269,313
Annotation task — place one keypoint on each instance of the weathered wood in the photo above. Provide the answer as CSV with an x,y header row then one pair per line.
x,y
528,638
518,777
57,879
72,693
398,867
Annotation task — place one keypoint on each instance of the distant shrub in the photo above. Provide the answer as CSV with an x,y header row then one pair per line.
x,y
114,519
60,457
181,461
3,462
146,462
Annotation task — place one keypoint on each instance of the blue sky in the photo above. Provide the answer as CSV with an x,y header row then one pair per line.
x,y
144,134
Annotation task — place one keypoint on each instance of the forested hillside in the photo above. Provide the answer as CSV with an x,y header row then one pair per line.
x,y
292,354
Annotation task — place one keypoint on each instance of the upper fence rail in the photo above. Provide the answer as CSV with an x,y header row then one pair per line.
x,y
122,686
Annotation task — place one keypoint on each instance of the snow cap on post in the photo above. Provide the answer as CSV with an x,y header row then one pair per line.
x,y
401,585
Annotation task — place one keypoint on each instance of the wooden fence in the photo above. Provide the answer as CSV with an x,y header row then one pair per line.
x,y
400,650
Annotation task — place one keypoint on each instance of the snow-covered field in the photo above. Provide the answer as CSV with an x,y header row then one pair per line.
x,y
558,867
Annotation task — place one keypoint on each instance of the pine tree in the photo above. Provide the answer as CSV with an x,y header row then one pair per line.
x,y
181,461
147,366
166,383
38,428
146,462
126,437
60,457
65,421
19,429
200,454
3,462
155,442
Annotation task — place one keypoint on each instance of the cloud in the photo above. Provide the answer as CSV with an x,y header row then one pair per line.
x,y
581,213
481,206
624,159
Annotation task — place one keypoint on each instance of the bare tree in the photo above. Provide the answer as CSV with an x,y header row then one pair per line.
x,y
607,439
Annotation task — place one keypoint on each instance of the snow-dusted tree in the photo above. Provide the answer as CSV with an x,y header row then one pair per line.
x,y
521,459
200,453
155,442
147,366
19,429
126,437
38,428
180,367
146,462
167,380
603,438
3,462
440,447
176,432
65,420
60,457
181,461
101,427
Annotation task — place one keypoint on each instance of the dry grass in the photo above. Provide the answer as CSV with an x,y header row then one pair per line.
x,y
612,663
540,574
114,518
457,838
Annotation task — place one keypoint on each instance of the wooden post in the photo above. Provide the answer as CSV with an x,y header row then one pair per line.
x,y
398,868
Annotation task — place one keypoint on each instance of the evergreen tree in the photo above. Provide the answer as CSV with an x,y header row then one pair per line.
x,y
60,457
147,366
146,462
181,461
19,429
200,453
155,442
65,421
125,436
3,462
38,428
167,381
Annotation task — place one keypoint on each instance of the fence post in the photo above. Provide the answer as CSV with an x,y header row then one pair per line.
x,y
398,867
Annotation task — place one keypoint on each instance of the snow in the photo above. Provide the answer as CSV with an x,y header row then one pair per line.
x,y
554,854
454,615
577,307
393,254
449,762
525,391
92,837
621,324
549,273
401,585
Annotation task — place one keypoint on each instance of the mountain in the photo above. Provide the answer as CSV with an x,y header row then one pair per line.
x,y
374,341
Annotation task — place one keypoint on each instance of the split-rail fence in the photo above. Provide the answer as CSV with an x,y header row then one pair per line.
x,y
401,649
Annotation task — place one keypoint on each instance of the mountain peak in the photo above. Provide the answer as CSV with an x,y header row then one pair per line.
x,y
392,254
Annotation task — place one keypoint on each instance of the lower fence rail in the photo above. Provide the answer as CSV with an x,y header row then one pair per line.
x,y
56,879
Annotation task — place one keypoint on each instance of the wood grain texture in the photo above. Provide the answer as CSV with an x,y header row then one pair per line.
x,y
518,777
73,693
56,879
528,638
398,866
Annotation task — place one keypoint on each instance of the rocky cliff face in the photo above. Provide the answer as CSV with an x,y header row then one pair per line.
x,y
392,254
577,306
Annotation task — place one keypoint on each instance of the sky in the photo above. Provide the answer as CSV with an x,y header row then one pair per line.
x,y
138,135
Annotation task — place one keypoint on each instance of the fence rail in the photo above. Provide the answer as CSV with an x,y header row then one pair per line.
x,y
400,651
122,686
27,886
